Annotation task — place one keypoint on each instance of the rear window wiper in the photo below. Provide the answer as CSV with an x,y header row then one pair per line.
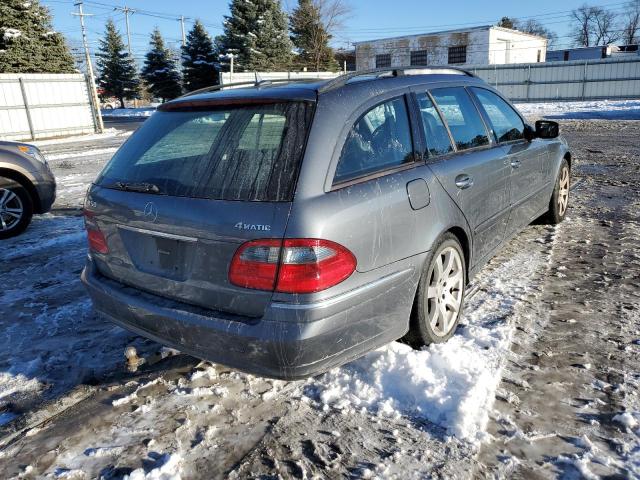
x,y
143,187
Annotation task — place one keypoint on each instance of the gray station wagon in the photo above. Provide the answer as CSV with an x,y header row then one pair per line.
x,y
286,228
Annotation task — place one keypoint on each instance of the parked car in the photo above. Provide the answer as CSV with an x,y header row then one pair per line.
x,y
284,229
27,186
109,104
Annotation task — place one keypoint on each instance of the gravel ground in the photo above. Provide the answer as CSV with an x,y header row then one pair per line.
x,y
565,407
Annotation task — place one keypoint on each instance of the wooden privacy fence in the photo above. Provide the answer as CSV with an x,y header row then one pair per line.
x,y
34,106
616,78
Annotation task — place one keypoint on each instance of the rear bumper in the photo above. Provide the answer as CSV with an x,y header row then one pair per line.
x,y
290,341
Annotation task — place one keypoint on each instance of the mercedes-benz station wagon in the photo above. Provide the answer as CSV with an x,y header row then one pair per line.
x,y
284,228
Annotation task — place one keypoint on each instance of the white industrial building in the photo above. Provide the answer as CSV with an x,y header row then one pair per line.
x,y
485,45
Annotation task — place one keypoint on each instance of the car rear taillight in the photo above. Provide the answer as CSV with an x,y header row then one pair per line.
x,y
97,240
301,265
255,264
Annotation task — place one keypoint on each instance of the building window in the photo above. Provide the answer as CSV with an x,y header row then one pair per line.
x,y
383,61
539,57
566,55
418,57
458,54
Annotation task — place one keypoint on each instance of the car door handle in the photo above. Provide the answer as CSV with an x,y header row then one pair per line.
x,y
464,181
515,163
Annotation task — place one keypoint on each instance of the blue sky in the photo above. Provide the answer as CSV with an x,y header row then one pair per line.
x,y
369,18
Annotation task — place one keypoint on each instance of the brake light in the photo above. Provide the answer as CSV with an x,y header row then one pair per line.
x,y
302,265
97,240
255,264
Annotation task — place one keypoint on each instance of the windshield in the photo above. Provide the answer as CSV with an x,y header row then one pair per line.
x,y
250,152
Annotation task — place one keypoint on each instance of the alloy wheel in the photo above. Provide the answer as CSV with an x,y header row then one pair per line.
x,y
563,191
11,209
445,290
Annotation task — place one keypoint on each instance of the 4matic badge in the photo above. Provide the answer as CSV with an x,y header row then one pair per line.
x,y
252,226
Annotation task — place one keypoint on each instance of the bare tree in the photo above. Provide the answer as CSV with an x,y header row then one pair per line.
x,y
594,26
631,25
334,13
313,24
582,21
534,27
605,26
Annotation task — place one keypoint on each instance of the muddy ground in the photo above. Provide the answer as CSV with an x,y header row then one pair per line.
x,y
572,370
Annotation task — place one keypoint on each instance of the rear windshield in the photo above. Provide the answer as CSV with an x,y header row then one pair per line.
x,y
249,152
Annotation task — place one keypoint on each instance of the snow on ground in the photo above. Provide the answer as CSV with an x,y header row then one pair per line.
x,y
591,109
453,384
128,112
83,153
106,133
50,339
76,162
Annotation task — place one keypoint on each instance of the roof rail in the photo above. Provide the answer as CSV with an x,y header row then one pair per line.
x,y
391,72
254,83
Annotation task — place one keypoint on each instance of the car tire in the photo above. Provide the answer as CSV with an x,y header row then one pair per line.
x,y
14,200
559,203
439,300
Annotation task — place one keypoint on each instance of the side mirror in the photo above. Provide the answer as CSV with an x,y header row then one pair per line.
x,y
529,133
547,129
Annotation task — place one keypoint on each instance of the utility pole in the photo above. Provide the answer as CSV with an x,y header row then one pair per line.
x,y
127,11
184,39
92,81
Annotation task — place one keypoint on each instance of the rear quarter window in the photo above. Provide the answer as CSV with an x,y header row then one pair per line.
x,y
379,140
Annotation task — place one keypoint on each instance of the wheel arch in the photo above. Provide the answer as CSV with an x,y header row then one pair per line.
x,y
465,243
568,158
26,183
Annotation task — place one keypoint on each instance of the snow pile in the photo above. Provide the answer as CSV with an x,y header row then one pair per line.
x,y
16,383
169,469
626,419
453,384
445,384
594,109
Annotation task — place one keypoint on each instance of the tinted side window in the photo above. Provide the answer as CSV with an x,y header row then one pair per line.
x,y
379,140
438,141
461,115
506,123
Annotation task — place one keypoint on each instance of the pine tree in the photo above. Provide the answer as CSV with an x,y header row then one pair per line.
x,y
199,59
256,32
28,43
311,38
116,69
159,70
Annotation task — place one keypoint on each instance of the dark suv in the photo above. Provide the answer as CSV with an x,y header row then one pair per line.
x,y
286,228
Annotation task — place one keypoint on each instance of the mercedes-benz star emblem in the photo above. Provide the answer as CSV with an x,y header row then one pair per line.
x,y
151,211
